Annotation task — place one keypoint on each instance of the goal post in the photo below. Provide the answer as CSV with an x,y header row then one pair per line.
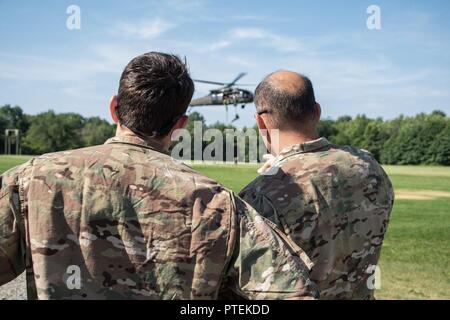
x,y
12,139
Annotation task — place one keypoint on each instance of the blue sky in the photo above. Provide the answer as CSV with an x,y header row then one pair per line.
x,y
404,68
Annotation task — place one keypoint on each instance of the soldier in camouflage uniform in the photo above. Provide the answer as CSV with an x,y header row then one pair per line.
x,y
124,220
333,201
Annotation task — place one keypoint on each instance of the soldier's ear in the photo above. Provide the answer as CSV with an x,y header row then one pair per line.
x,y
264,131
260,122
318,112
182,122
113,109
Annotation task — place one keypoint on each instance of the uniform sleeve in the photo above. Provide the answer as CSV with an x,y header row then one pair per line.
x,y
388,187
265,264
11,257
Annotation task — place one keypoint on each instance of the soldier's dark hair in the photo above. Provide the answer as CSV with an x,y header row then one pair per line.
x,y
154,92
286,107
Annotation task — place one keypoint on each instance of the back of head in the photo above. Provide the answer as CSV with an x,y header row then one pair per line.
x,y
288,99
154,92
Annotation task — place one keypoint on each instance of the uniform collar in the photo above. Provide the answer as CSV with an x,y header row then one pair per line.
x,y
305,147
133,139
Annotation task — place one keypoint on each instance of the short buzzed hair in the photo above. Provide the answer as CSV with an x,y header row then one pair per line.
x,y
286,107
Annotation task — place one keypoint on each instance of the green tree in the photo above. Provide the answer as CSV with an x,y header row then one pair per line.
x,y
440,147
96,131
342,135
327,129
439,113
422,139
375,136
51,132
433,140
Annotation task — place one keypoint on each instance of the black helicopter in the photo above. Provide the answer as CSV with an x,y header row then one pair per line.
x,y
228,94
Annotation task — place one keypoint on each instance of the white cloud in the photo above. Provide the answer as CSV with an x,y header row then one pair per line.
x,y
145,30
33,68
237,60
219,45
267,38
97,60
349,71
374,87
260,37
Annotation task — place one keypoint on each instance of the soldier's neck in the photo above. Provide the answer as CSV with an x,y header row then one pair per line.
x,y
122,130
290,138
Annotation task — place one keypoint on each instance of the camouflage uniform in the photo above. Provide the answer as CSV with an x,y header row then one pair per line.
x,y
136,224
334,202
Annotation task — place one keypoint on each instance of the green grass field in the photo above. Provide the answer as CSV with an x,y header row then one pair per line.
x,y
415,260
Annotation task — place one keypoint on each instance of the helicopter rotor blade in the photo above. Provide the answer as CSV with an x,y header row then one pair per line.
x,y
236,79
211,82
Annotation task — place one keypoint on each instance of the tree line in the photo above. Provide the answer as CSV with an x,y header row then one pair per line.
x,y
422,139
50,131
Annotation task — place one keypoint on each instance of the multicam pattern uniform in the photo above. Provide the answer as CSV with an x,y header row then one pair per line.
x,y
136,224
334,202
